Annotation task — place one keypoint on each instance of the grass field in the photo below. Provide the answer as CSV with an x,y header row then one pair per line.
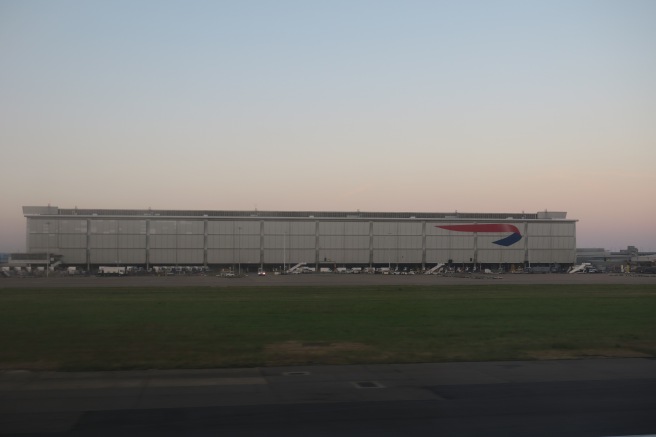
x,y
132,328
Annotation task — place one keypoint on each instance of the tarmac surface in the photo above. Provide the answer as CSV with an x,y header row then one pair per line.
x,y
317,279
598,397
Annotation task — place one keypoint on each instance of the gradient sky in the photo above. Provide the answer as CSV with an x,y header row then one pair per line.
x,y
474,106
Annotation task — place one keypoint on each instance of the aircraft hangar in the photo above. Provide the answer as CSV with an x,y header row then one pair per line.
x,y
271,239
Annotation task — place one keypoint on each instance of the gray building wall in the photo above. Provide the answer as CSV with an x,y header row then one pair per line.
x,y
148,238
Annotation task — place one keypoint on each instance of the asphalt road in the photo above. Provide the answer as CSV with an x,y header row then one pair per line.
x,y
579,398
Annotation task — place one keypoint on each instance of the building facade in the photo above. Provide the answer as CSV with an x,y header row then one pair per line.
x,y
92,237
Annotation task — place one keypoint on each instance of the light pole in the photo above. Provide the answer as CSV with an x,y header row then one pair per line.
x,y
284,252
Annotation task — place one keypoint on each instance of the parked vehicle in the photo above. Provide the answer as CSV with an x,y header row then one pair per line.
x,y
111,271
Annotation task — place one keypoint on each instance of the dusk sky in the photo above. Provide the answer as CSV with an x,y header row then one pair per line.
x,y
426,106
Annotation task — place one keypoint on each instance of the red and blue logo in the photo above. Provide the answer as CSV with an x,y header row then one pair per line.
x,y
511,239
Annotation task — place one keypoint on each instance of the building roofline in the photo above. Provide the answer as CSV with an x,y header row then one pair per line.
x,y
31,211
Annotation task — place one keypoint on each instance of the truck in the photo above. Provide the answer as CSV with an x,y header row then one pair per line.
x,y
111,271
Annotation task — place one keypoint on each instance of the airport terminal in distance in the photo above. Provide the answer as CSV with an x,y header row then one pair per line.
x,y
293,241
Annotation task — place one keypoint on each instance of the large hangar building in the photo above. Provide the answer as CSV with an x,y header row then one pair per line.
x,y
272,239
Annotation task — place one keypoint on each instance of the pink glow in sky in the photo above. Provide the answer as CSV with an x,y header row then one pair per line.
x,y
502,106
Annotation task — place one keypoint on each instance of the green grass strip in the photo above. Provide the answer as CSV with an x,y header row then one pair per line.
x,y
143,328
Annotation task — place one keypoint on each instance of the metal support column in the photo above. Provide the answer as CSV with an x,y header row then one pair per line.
x,y
261,243
205,226
147,245
316,245
371,244
88,245
423,246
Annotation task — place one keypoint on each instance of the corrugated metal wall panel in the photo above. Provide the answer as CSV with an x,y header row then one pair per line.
x,y
275,242
386,228
356,228
515,256
436,256
301,242
219,227
569,229
410,228
163,227
163,242
500,256
73,226
274,256
247,241
132,227
132,256
189,256
433,242
332,228
331,242
42,240
247,256
191,227
163,256
276,227
340,257
545,229
104,226
433,229
103,241
406,256
551,243
409,242
383,256
190,241
488,256
132,241
384,241
357,257
73,241
464,241
220,241
232,227
74,256
248,227
104,256
219,256
38,226
302,228
356,242
460,255
301,255
451,242
394,256
344,242
540,256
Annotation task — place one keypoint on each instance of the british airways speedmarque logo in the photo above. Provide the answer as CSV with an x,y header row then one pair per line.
x,y
511,239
